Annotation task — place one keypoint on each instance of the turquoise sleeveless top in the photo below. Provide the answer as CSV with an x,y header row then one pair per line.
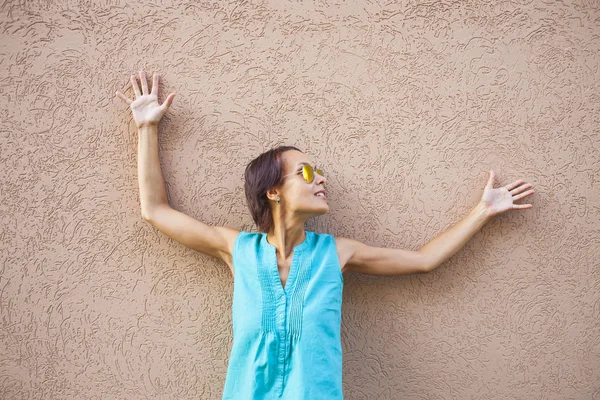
x,y
286,341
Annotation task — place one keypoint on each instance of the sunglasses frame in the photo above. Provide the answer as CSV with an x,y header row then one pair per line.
x,y
314,170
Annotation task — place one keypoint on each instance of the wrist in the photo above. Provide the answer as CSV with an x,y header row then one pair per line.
x,y
483,210
147,127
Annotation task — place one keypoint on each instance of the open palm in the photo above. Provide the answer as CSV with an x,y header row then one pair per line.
x,y
145,108
502,199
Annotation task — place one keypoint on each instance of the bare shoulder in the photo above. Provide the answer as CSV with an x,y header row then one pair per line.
x,y
345,249
229,235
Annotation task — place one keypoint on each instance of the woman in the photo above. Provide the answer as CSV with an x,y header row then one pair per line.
x,y
288,281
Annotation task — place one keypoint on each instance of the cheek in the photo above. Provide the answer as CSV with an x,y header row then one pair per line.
x,y
301,194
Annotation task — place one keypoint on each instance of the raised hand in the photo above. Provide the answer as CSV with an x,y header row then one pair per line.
x,y
502,199
145,108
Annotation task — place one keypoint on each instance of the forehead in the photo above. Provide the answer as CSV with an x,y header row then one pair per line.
x,y
293,158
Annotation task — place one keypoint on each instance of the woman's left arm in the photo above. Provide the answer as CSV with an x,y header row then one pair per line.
x,y
493,202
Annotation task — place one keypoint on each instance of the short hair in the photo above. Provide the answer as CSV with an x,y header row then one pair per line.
x,y
262,173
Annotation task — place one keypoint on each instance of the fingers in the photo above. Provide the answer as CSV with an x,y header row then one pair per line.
x,y
122,97
514,184
519,197
155,84
144,82
521,206
520,189
136,89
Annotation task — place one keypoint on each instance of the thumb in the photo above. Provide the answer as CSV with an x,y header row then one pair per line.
x,y
168,101
490,182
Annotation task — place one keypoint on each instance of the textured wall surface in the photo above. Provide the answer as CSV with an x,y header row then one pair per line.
x,y
406,106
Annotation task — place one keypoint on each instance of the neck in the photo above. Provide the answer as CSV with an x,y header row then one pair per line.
x,y
286,234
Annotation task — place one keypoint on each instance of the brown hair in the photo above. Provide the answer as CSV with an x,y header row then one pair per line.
x,y
262,173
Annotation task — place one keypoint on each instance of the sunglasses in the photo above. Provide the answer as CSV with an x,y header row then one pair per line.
x,y
308,173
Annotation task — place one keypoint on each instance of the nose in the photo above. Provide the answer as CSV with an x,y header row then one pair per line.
x,y
319,178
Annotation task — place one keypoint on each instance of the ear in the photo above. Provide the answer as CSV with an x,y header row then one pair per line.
x,y
273,194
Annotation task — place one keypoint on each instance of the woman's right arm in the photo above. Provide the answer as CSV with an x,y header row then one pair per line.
x,y
215,241
212,240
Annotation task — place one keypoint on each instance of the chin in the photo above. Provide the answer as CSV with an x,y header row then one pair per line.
x,y
314,210
323,210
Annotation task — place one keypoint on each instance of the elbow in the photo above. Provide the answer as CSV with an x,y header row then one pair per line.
x,y
428,264
146,216
150,213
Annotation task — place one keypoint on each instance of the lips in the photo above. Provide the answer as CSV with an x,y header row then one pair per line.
x,y
324,196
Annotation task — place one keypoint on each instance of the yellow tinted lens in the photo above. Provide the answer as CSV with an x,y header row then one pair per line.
x,y
320,172
307,172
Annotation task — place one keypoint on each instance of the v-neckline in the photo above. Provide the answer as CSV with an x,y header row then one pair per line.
x,y
293,264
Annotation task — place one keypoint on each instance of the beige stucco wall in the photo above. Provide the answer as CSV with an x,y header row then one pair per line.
x,y
405,106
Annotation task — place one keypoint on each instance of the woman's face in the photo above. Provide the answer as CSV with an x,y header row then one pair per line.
x,y
298,196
